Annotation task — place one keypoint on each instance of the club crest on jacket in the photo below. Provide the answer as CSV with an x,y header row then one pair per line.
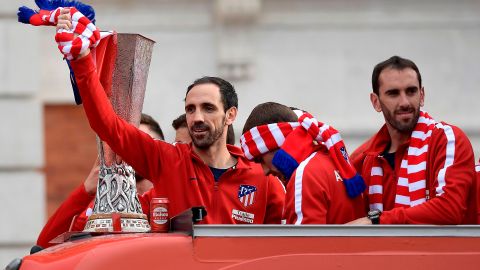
x,y
246,194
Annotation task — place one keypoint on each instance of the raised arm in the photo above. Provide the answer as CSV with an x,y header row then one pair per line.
x,y
135,147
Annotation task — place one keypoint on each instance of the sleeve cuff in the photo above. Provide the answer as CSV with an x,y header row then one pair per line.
x,y
285,163
394,216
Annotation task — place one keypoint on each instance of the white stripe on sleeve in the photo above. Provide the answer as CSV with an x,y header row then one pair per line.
x,y
298,188
449,157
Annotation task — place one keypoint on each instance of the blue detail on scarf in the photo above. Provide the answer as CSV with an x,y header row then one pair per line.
x,y
354,186
284,163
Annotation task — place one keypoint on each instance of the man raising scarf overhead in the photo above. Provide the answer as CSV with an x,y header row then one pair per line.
x,y
310,157
418,170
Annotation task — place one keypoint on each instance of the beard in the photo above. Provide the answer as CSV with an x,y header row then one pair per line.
x,y
208,138
402,125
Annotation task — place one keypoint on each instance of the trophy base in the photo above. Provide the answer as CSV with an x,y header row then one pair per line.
x,y
117,222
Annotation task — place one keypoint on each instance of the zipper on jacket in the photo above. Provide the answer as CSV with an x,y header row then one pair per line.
x,y
215,203
216,195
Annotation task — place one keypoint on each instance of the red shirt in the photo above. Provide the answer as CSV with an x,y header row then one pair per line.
x,y
316,194
449,198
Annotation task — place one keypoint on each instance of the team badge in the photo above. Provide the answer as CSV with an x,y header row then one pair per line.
x,y
343,150
246,194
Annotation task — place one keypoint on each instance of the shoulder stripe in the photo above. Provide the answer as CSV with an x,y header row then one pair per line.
x,y
298,188
281,183
449,156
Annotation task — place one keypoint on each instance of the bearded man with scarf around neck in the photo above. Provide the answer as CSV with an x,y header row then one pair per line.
x,y
418,170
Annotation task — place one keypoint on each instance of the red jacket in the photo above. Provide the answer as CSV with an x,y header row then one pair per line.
x,y
458,189
176,171
316,194
70,216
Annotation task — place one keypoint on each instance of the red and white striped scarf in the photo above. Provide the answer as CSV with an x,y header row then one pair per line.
x,y
297,144
411,185
83,35
265,138
72,42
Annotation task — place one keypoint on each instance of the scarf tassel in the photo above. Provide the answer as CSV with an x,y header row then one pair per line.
x,y
354,186
25,14
85,9
29,16
284,163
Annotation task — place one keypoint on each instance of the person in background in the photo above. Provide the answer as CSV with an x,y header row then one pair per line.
x,y
181,130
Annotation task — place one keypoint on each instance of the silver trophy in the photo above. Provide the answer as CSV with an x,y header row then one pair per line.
x,y
117,208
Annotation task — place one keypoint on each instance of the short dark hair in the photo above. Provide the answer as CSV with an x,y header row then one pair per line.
x,y
268,113
227,91
179,122
395,62
152,124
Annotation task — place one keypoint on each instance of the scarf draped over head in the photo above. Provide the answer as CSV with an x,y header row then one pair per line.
x,y
411,185
295,140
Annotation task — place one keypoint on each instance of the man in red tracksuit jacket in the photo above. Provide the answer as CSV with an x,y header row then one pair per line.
x,y
418,171
207,172
316,193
